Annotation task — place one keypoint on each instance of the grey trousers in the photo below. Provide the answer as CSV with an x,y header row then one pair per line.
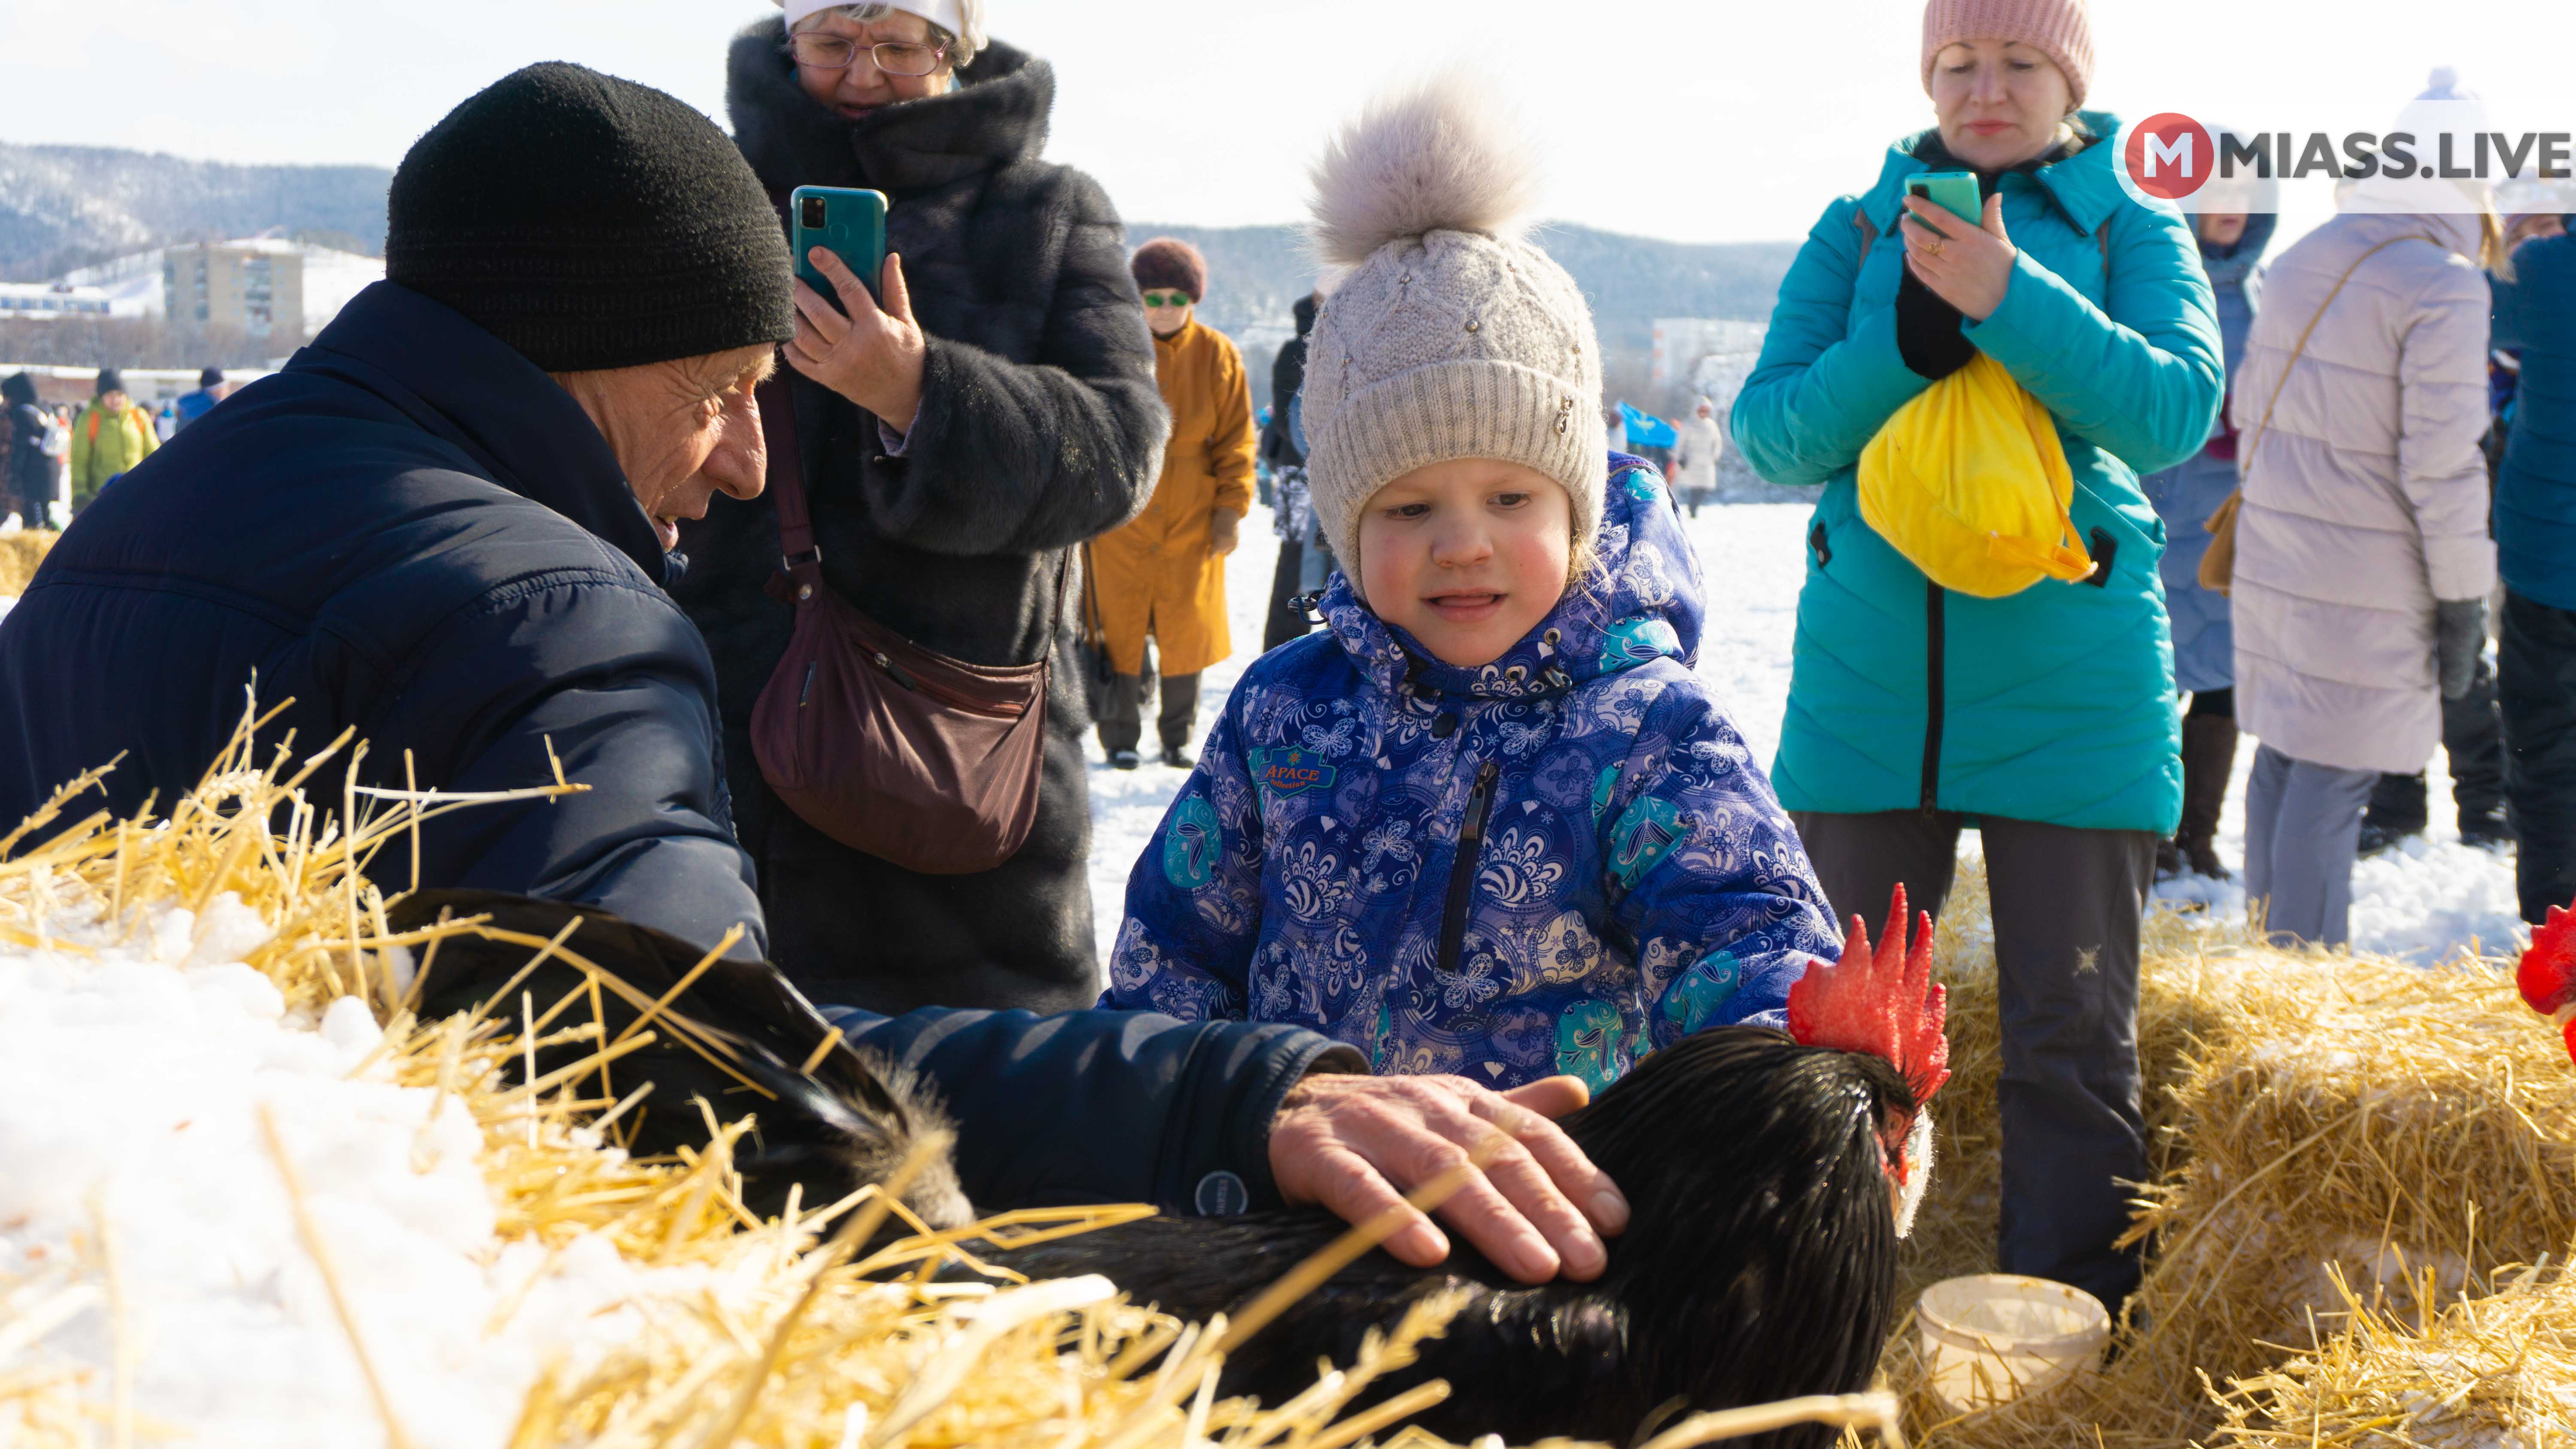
x,y
2067,907
2302,827
1122,707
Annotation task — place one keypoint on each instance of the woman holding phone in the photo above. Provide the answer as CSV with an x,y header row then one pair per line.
x,y
2044,718
957,439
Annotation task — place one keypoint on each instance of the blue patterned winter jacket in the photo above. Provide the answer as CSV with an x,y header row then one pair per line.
x,y
1555,862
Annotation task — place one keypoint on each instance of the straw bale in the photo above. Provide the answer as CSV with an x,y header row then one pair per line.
x,y
2496,1372
2319,1120
772,1333
20,552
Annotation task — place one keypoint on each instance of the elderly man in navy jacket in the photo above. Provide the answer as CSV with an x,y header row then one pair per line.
x,y
446,525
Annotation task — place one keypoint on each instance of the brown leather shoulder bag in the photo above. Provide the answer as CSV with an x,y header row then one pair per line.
x,y
885,746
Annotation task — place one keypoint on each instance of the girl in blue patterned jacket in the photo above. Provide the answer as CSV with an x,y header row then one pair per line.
x,y
1489,822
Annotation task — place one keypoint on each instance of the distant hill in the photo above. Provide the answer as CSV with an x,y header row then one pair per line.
x,y
63,207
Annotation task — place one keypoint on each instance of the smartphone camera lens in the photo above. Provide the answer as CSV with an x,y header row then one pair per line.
x,y
813,219
1918,189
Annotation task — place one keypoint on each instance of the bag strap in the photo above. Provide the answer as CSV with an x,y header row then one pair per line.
x,y
2300,348
797,553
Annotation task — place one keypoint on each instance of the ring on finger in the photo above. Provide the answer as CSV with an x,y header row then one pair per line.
x,y
1932,248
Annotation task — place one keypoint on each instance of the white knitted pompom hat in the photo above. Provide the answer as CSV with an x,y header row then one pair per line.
x,y
1450,336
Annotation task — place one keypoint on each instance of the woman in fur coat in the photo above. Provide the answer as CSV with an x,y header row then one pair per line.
x,y
996,411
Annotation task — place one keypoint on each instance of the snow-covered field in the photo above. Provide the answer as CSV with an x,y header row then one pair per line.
x,y
2419,902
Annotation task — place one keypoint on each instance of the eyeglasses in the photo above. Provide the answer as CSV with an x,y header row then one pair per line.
x,y
837,52
1167,299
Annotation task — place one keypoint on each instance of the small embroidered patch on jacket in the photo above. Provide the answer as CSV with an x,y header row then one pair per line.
x,y
1291,771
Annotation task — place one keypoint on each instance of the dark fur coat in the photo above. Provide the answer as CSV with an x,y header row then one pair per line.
x,y
1040,426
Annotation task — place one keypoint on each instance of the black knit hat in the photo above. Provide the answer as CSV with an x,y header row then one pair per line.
x,y
210,377
109,380
589,222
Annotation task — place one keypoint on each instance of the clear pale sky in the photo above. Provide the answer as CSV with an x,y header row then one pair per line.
x,y
1698,120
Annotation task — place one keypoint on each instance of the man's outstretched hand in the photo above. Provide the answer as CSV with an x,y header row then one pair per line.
x,y
1357,1144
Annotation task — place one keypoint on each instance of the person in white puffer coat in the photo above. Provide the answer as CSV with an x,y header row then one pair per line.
x,y
1695,456
2363,560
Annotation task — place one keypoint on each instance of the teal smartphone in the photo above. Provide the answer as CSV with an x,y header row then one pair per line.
x,y
849,223
1953,191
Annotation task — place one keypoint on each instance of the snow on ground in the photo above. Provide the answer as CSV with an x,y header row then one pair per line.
x,y
2419,902
164,1149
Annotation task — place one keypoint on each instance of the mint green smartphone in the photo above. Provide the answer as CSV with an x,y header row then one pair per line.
x,y
1953,191
849,223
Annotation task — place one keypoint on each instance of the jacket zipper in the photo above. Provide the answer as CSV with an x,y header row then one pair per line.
x,y
1931,800
1462,874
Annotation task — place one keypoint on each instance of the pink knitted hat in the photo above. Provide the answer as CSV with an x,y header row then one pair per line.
x,y
2060,29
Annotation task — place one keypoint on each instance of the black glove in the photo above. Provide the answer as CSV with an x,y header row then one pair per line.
x,y
1927,331
2459,639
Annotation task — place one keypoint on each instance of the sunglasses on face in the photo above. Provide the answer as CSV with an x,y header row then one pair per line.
x,y
1167,299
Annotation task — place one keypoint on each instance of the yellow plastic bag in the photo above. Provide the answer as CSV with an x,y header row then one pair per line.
x,y
1970,483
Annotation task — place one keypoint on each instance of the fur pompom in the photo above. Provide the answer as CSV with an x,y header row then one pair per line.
x,y
1438,156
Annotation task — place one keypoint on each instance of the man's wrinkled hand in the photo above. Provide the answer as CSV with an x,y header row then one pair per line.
x,y
1224,532
1357,1144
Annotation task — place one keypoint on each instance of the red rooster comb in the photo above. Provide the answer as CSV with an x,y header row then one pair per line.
x,y
1881,1002
2547,973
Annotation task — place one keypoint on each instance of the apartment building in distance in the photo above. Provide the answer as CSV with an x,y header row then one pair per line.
x,y
253,287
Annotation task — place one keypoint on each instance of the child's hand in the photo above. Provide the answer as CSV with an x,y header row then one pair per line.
x,y
1356,1144
1224,532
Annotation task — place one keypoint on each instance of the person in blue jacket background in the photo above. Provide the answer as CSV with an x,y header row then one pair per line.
x,y
1490,822
2045,718
2535,528
2185,495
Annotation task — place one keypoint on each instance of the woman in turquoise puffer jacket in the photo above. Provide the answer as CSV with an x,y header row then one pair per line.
x,y
2045,719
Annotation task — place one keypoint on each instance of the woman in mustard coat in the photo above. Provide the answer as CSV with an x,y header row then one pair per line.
x,y
1162,574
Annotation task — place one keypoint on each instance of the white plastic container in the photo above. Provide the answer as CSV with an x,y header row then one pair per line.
x,y
1995,1337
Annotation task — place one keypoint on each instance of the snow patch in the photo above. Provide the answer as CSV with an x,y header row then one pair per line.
x,y
132,1077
